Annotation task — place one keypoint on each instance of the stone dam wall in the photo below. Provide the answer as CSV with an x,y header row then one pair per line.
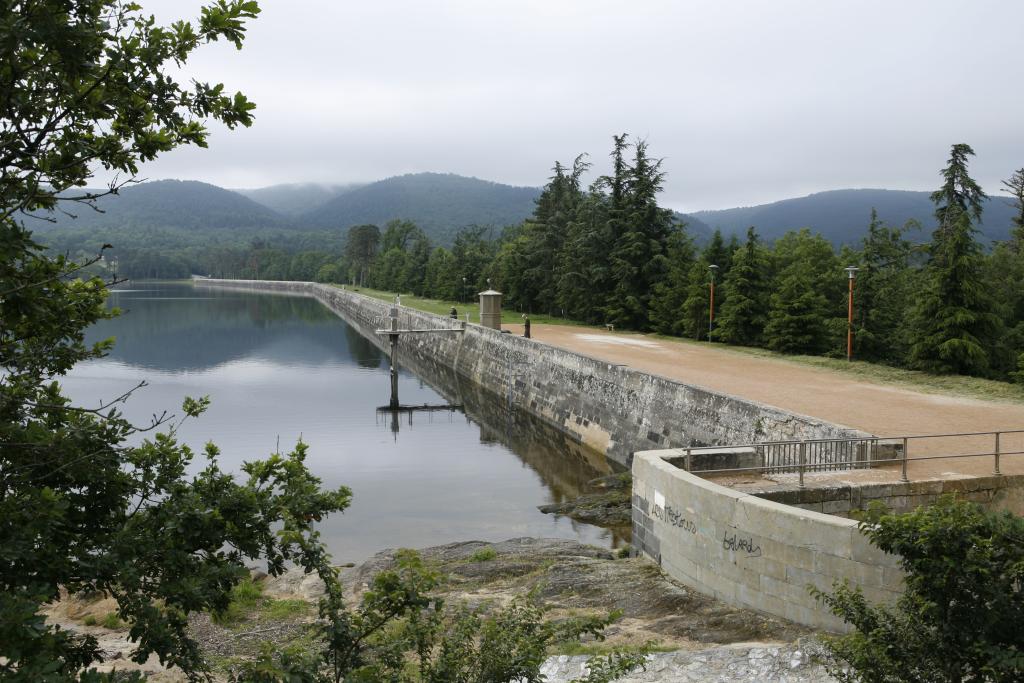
x,y
609,408
749,551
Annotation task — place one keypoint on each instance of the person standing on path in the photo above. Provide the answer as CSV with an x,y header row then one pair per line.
x,y
526,326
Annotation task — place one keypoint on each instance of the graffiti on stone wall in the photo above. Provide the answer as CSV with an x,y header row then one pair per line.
x,y
675,518
741,545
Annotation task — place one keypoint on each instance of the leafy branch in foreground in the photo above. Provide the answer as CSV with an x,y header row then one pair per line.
x,y
961,617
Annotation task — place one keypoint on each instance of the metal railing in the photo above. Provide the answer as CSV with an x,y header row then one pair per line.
x,y
819,455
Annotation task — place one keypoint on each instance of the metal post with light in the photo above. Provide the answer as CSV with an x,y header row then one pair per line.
x,y
851,272
711,308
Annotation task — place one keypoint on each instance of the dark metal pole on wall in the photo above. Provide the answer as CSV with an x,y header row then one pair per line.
x,y
394,357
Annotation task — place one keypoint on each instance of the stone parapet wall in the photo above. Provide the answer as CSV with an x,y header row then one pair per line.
x,y
996,492
610,408
749,551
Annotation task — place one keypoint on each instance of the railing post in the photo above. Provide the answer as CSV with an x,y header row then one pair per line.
x,y
903,472
689,462
803,459
996,470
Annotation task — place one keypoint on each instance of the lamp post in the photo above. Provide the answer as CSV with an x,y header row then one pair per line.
x,y
851,272
463,298
711,309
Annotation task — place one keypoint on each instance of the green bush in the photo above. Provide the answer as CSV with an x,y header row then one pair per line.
x,y
961,617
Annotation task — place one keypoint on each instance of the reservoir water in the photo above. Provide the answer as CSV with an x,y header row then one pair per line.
x,y
281,368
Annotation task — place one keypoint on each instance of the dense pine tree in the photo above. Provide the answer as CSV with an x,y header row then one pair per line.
x,y
1015,188
670,293
546,233
584,274
638,258
807,296
955,326
882,295
745,290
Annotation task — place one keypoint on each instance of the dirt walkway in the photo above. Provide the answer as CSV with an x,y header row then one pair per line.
x,y
880,409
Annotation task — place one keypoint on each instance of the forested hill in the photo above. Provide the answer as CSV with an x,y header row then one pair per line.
x,y
439,203
171,204
842,216
292,199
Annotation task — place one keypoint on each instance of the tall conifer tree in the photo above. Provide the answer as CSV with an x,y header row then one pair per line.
x,y
882,294
745,289
956,328
638,258
1015,188
670,294
807,295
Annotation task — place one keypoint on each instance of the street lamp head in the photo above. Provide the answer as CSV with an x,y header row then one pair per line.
x,y
713,267
851,271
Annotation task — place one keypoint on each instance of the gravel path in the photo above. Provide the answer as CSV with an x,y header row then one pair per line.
x,y
885,410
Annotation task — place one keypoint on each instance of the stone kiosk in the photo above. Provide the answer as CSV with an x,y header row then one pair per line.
x,y
490,308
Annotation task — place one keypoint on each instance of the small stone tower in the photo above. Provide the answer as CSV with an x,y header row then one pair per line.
x,y
490,308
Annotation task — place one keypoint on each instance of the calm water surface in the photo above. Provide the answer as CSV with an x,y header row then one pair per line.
x,y
281,368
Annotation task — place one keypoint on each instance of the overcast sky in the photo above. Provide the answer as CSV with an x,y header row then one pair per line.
x,y
748,102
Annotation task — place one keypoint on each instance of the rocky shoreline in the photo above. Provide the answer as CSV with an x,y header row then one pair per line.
x,y
606,505
693,637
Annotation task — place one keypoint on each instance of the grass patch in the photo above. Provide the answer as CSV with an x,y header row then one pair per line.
x,y
112,621
281,610
90,620
439,307
249,604
483,555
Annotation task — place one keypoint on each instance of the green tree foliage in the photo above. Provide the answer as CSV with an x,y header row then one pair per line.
x,y
955,325
402,262
584,273
696,318
544,236
87,504
806,295
80,509
670,293
638,259
959,193
719,253
362,244
882,293
1015,188
441,279
472,255
960,617
745,288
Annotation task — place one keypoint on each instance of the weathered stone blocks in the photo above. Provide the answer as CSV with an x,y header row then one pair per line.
x,y
754,552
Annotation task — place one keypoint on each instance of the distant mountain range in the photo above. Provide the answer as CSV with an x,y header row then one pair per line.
x,y
842,216
442,204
